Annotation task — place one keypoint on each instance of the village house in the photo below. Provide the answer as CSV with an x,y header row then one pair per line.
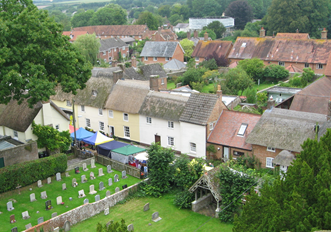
x,y
110,48
161,52
162,35
74,34
181,27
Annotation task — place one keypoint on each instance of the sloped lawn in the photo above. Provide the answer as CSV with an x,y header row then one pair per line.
x,y
54,190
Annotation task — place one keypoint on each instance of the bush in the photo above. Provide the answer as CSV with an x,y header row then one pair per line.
x,y
27,173
250,94
275,72
209,64
295,81
184,199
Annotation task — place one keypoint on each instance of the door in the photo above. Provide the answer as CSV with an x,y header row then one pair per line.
x,y
158,139
111,131
226,153
2,162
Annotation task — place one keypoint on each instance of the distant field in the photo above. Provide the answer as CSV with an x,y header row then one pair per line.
x,y
48,3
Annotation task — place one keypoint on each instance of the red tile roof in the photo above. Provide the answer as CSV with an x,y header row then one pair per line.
x,y
292,69
75,34
115,30
293,35
227,127
206,48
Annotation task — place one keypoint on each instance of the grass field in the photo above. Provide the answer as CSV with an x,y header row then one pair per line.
x,y
173,219
54,190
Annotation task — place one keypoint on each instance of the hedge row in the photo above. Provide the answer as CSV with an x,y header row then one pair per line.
x,y
26,173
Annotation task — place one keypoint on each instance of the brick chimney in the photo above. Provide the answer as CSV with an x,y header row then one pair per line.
x,y
133,61
219,92
121,65
324,34
195,34
271,103
154,82
117,75
159,30
262,32
205,36
188,35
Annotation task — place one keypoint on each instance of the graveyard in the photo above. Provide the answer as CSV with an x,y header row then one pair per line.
x,y
32,204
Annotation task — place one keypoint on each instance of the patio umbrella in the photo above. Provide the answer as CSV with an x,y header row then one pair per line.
x,y
97,139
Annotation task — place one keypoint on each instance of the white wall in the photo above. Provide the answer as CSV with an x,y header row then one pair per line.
x,y
192,133
92,114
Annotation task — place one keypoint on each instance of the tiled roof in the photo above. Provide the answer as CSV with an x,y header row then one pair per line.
x,y
75,34
182,25
293,69
206,48
111,43
159,48
198,108
226,130
144,72
293,35
174,64
114,30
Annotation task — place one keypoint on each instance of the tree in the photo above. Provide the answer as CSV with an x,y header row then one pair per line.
x,y
192,75
89,46
237,80
275,72
305,15
298,202
174,19
250,94
182,35
211,34
241,12
111,14
216,27
209,64
210,8
188,46
62,18
149,19
253,67
164,11
31,67
82,18
307,76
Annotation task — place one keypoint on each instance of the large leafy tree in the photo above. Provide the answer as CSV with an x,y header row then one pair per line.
x,y
82,18
111,14
241,11
149,19
34,56
89,46
299,202
62,18
253,67
216,27
188,47
237,80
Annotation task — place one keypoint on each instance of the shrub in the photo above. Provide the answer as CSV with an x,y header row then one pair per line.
x,y
250,95
26,173
295,81
184,199
275,72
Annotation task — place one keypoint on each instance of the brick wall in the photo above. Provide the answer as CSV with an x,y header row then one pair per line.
x,y
150,60
219,152
178,54
20,153
113,54
219,107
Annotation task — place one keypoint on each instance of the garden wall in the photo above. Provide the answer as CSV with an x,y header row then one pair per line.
x,y
80,164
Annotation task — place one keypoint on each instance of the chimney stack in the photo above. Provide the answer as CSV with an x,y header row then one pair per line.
x,y
159,30
206,36
324,34
271,103
262,32
297,30
117,75
188,35
219,92
195,33
133,61
154,82
121,65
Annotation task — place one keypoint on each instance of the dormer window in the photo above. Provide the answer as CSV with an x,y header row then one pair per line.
x,y
94,93
243,45
242,129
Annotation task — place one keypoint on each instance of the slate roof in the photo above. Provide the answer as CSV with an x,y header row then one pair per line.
x,y
174,64
198,108
114,30
163,105
128,96
160,48
225,132
111,43
182,25
279,89
314,98
284,129
206,48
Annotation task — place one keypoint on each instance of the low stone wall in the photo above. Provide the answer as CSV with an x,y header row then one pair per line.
x,y
82,154
20,153
202,202
132,171
80,164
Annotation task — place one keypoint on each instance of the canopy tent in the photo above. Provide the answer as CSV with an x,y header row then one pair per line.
x,y
81,133
71,129
122,154
97,139
141,156
106,148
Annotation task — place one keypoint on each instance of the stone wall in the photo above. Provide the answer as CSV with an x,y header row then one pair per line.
x,y
20,153
202,202
80,164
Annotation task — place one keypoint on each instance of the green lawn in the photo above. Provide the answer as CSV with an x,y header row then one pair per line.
x,y
173,219
171,85
54,190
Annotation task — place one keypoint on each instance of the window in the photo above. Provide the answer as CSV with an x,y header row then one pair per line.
x,y
237,153
243,45
127,132
319,66
109,58
114,49
242,129
281,63
82,108
104,53
167,58
110,113
88,122
109,51
101,126
100,112
269,163
196,58
57,127
68,103
162,81
171,141
125,117
123,48
94,93
140,37
306,65
272,149
193,147
15,134
155,58
146,58
211,126
170,124
148,120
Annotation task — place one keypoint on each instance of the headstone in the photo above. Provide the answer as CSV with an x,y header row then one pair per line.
x,y
25,215
64,186
66,226
83,179
109,169
81,193
14,229
43,195
146,207
12,218
92,177
32,197
39,183
130,227
40,220
67,174
106,211
124,174
56,229
117,189
85,167
77,170
54,214
74,182
49,180
124,186
58,176
48,205
86,201
110,182
116,178
92,191
155,217
97,197
10,206
107,193
59,200
93,163
28,226
101,186
100,172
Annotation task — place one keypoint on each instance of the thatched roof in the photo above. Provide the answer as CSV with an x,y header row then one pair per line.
x,y
127,96
131,73
144,72
284,158
163,105
284,129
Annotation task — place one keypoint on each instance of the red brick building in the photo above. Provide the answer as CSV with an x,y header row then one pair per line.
x,y
74,34
111,47
210,48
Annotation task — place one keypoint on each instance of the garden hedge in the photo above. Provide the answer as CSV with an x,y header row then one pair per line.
x,y
26,173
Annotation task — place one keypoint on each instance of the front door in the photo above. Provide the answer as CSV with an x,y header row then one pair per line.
x,y
158,139
226,153
111,131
